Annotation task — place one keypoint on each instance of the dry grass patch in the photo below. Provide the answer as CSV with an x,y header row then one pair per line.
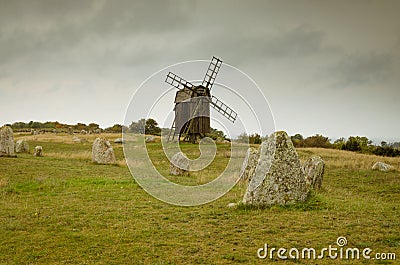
x,y
346,159
64,137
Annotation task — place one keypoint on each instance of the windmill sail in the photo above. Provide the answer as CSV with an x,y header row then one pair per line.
x,y
212,72
178,82
222,108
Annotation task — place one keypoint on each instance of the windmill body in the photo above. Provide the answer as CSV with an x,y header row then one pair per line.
x,y
192,105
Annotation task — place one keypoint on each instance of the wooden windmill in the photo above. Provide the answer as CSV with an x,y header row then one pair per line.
x,y
192,105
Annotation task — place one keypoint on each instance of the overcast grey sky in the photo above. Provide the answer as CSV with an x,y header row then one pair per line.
x,y
328,67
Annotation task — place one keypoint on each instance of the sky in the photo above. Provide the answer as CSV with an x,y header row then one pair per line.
x,y
326,67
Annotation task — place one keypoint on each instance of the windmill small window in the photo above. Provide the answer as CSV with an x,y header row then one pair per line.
x,y
192,105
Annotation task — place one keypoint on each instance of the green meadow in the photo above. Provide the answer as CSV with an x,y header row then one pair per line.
x,y
63,209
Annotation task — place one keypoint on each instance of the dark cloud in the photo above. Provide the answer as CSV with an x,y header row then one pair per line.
x,y
360,69
61,49
40,30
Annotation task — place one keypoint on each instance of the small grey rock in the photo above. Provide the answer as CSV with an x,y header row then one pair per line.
x,y
38,151
102,152
21,146
118,141
150,139
382,167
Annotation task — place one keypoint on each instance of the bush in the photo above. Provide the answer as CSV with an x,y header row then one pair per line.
x,y
317,141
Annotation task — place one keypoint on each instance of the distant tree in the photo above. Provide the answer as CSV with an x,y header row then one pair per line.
x,y
138,126
317,141
395,145
297,140
80,126
383,143
352,144
338,144
358,144
215,134
243,138
254,138
116,128
151,127
93,126
59,125
19,125
386,151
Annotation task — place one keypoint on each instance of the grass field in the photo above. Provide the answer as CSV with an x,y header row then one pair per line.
x,y
64,209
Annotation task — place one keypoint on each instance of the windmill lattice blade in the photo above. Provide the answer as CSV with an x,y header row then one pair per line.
x,y
222,108
212,72
178,82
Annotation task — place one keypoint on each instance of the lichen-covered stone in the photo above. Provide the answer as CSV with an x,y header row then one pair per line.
x,y
76,139
279,177
382,167
249,164
6,141
119,141
38,151
102,152
21,146
150,139
314,169
179,164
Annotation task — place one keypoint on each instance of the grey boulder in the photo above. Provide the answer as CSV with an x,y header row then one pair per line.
x,y
279,177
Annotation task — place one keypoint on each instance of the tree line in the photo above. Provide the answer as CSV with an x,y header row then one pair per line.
x,y
354,143
150,126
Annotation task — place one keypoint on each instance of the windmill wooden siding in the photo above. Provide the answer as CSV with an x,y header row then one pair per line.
x,y
184,109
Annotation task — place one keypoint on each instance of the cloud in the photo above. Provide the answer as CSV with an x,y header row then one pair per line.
x,y
360,69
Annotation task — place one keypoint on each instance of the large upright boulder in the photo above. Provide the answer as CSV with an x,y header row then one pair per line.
x,y
6,141
21,146
314,169
249,164
279,177
102,152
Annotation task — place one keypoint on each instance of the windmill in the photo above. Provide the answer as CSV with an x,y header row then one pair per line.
x,y
192,105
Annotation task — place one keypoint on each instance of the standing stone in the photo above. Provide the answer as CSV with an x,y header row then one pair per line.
x,y
382,167
21,146
279,177
6,141
249,164
314,169
102,152
150,139
179,164
38,151
119,141
76,139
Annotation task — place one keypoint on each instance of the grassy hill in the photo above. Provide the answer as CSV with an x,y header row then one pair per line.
x,y
63,209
